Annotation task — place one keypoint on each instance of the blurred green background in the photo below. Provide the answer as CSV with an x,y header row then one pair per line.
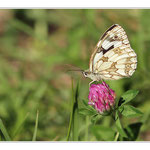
x,y
34,45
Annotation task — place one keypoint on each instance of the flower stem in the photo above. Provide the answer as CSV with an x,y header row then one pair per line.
x,y
116,137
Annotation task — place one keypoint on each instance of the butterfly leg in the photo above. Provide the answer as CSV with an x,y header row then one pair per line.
x,y
91,82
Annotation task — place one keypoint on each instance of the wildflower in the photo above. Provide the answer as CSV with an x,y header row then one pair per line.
x,y
102,98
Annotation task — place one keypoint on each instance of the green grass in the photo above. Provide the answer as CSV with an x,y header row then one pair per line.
x,y
4,131
35,45
36,127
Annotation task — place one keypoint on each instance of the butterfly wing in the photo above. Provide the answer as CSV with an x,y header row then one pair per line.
x,y
113,57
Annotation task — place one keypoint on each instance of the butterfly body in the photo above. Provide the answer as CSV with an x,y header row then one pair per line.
x,y
113,58
93,76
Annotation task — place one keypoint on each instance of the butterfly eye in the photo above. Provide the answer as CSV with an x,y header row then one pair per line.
x,y
85,74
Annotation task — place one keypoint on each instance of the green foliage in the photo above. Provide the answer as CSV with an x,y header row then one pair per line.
x,y
4,131
119,125
36,127
103,133
73,124
132,131
35,45
130,111
87,109
129,95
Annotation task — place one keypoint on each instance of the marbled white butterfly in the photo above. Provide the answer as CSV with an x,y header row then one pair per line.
x,y
113,58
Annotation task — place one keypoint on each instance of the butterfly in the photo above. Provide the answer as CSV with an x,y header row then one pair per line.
x,y
112,58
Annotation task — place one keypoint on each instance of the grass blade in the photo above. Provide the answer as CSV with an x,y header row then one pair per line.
x,y
36,126
71,115
75,114
87,128
19,127
117,136
4,131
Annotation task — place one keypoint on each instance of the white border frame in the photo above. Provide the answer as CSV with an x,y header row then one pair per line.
x,y
70,4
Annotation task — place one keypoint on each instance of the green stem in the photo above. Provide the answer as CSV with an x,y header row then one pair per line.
x,y
119,127
117,136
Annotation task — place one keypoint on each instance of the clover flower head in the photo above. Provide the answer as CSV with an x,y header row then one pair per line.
x,y
102,98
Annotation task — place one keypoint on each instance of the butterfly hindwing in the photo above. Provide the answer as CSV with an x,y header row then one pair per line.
x,y
113,57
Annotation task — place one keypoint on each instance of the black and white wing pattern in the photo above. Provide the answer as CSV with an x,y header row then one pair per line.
x,y
113,57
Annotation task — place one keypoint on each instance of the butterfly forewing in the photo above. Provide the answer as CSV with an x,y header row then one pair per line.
x,y
113,58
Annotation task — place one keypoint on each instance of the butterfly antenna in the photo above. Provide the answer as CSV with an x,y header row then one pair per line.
x,y
73,68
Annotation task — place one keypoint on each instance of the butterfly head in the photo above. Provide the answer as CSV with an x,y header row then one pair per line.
x,y
91,75
86,73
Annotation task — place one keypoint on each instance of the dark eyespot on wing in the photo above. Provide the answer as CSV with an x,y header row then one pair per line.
x,y
113,26
106,50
